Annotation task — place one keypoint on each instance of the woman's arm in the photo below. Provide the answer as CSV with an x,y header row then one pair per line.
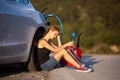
x,y
59,41
53,45
51,48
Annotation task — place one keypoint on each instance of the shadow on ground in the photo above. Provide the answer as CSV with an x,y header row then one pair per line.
x,y
89,60
6,70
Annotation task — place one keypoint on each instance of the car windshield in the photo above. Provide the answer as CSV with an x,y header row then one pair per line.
x,y
20,1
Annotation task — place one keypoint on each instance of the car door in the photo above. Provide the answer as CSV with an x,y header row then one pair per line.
x,y
16,27
2,30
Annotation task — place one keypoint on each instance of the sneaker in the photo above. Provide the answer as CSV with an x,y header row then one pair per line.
x,y
83,65
83,69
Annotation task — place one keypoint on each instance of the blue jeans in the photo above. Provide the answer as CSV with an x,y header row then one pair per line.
x,y
50,64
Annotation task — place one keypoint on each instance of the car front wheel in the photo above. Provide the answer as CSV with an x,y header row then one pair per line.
x,y
33,62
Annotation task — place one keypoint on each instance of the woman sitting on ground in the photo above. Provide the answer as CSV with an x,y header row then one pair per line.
x,y
45,46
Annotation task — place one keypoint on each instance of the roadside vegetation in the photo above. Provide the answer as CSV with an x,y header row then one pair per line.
x,y
98,19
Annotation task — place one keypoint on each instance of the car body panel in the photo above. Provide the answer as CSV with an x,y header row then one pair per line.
x,y
19,23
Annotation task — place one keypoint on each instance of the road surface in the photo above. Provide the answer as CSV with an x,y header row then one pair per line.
x,y
106,67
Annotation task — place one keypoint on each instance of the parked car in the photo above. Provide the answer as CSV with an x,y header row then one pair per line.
x,y
21,26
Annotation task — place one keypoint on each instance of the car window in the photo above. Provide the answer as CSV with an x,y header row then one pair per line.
x,y
20,1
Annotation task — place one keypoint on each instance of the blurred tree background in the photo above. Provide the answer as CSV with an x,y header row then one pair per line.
x,y
98,19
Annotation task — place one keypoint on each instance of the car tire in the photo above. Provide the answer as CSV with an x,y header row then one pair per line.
x,y
33,62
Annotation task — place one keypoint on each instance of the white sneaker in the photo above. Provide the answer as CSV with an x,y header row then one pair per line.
x,y
83,69
83,65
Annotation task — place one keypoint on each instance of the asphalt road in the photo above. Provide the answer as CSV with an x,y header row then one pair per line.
x,y
106,67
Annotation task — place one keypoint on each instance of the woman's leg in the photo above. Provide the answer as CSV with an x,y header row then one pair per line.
x,y
67,57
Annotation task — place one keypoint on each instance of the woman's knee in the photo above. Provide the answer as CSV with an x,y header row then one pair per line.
x,y
63,51
60,54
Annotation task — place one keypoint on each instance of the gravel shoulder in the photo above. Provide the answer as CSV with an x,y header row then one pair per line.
x,y
42,75
14,72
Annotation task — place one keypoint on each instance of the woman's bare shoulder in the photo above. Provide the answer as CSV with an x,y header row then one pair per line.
x,y
40,43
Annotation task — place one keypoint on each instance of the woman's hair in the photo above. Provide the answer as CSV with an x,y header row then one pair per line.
x,y
53,28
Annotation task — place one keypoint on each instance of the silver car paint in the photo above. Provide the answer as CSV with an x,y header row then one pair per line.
x,y
18,24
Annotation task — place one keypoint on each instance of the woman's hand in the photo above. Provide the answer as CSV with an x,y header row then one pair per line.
x,y
58,37
70,43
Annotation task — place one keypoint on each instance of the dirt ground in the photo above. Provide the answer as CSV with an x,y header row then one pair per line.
x,y
14,72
